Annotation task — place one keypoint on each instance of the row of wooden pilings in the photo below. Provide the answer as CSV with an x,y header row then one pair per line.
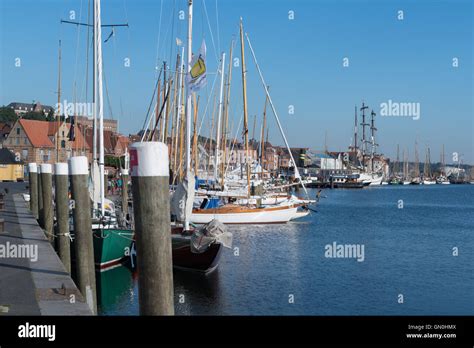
x,y
150,190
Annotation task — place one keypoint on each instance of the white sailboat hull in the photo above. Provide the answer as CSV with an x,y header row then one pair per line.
x,y
376,181
370,179
265,200
257,216
300,214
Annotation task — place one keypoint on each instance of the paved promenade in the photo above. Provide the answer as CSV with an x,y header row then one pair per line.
x,y
36,283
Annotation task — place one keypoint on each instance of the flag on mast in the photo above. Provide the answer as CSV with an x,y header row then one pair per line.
x,y
197,76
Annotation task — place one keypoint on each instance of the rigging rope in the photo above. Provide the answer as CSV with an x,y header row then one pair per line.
x,y
159,34
217,30
146,122
207,104
77,48
210,30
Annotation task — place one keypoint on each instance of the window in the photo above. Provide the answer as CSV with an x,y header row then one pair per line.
x,y
18,141
18,131
63,134
24,154
26,141
63,143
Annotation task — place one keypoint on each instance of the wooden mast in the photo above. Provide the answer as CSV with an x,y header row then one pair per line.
x,y
417,161
181,133
443,164
59,104
173,123
219,119
158,102
167,112
195,140
178,111
211,145
253,130
161,127
244,92
262,137
226,121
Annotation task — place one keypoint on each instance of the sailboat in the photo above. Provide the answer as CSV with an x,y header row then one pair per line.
x,y
427,178
442,178
112,240
365,176
396,179
250,214
406,180
416,180
193,249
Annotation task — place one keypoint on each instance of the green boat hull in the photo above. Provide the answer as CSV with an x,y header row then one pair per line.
x,y
111,246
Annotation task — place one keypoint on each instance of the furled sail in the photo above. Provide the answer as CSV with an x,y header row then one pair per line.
x,y
214,231
183,198
94,184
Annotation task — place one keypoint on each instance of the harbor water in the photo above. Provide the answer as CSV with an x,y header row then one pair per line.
x,y
418,260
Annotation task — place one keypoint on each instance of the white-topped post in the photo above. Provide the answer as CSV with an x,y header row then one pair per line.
x,y
61,177
149,166
40,198
125,174
33,185
47,190
84,248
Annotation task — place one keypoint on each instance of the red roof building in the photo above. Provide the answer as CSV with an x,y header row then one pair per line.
x,y
45,142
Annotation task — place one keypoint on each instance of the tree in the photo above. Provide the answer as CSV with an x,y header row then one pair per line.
x,y
7,115
51,117
32,115
112,161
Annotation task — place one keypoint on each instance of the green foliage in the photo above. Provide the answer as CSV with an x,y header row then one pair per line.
x,y
50,116
7,115
32,115
111,161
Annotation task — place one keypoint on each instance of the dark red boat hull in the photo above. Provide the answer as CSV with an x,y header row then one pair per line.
x,y
185,259
205,262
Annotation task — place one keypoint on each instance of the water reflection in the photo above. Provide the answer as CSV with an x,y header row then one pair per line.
x,y
196,294
114,287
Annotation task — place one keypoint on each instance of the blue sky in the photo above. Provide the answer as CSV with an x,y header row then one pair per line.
x,y
407,60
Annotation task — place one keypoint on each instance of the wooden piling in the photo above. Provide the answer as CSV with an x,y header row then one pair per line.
x,y
125,192
85,270
40,199
47,189
61,173
150,179
33,184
